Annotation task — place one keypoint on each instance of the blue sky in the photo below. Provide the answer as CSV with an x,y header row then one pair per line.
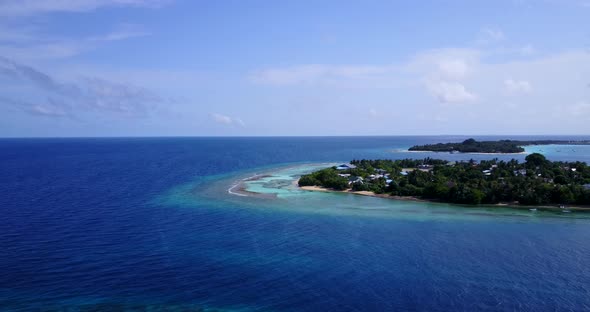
x,y
199,68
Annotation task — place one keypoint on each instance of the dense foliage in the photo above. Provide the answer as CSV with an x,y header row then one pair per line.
x,y
537,181
473,146
326,177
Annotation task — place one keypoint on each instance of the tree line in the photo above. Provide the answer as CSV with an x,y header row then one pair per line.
x,y
501,146
537,181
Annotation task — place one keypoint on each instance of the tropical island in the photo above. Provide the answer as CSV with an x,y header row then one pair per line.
x,y
489,147
537,181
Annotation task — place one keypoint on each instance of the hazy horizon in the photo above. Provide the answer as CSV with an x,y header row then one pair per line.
x,y
499,136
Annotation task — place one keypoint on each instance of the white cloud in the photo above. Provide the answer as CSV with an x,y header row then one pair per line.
x,y
447,61
450,92
222,118
466,76
24,41
517,86
304,74
24,37
48,110
319,74
443,64
227,120
434,82
31,43
453,68
32,7
122,32
55,97
446,72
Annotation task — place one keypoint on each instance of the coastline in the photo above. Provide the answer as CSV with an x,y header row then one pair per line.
x,y
239,188
476,153
362,193
416,199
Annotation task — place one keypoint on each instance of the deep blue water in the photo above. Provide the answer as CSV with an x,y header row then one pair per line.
x,y
84,228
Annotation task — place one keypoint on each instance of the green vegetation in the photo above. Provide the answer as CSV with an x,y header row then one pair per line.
x,y
327,178
502,146
537,181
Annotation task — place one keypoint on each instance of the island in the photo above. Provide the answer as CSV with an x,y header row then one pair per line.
x,y
537,181
489,147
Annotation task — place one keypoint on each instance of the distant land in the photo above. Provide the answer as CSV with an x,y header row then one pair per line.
x,y
537,181
489,147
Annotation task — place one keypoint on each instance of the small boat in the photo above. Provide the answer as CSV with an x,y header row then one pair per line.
x,y
533,209
566,211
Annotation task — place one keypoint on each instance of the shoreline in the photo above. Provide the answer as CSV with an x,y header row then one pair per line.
x,y
362,193
417,199
240,189
239,185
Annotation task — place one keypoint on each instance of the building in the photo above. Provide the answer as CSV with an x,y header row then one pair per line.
x,y
353,180
520,172
345,167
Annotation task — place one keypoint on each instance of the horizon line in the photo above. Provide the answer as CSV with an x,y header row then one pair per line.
x,y
280,136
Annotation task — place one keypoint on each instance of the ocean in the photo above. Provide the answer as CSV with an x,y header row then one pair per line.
x,y
147,224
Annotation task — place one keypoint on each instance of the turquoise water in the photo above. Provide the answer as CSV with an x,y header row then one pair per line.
x,y
280,184
561,152
149,224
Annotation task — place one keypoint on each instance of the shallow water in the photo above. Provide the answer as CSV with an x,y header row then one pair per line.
x,y
127,224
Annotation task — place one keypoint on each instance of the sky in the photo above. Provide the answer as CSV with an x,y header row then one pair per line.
x,y
76,68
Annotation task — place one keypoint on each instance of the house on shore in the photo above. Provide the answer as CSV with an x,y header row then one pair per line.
x,y
345,167
425,168
353,180
521,172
